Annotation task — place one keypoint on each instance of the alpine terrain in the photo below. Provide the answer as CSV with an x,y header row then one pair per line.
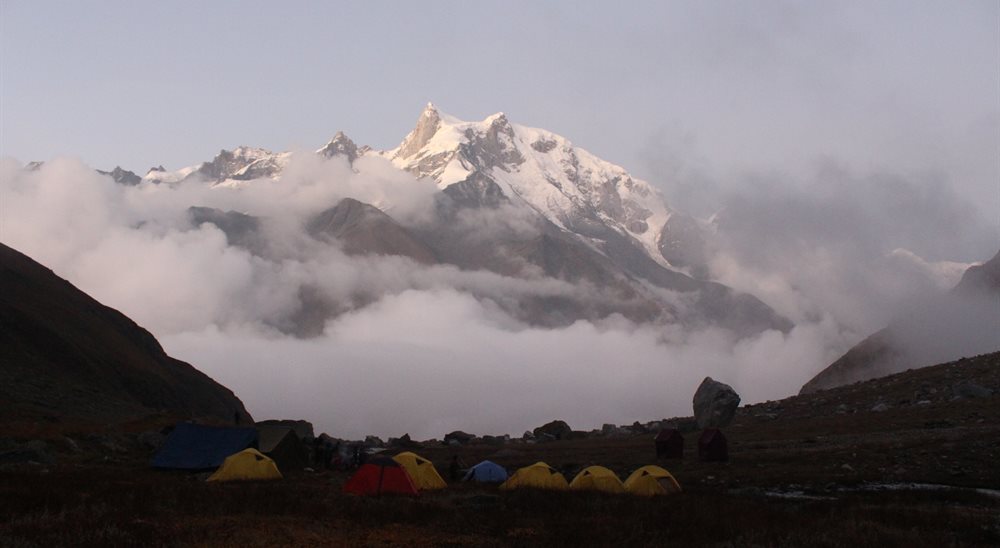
x,y
70,362
521,202
925,336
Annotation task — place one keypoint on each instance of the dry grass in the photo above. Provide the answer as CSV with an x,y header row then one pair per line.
x,y
105,506
87,501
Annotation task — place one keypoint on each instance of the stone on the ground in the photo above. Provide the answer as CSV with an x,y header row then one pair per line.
x,y
555,430
715,404
969,389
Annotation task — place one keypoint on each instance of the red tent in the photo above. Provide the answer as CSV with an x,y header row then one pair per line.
x,y
380,475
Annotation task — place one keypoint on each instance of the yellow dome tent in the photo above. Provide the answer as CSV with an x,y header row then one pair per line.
x,y
538,476
248,464
421,471
651,480
597,478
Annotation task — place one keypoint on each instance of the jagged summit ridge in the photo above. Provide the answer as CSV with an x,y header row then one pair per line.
x,y
342,145
568,185
493,159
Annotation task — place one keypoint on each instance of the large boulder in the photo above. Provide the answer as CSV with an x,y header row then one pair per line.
x,y
715,404
458,437
555,430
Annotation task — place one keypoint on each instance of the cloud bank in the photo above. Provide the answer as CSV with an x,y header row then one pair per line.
x,y
429,349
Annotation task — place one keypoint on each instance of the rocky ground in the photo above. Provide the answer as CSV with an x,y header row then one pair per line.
x,y
908,459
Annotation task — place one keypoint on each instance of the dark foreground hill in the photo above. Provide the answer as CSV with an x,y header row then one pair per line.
x,y
905,460
67,362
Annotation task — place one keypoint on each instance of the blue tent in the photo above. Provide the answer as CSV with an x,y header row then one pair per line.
x,y
486,472
197,447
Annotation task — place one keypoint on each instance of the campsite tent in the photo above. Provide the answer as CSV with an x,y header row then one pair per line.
x,y
712,446
421,471
197,447
538,476
486,472
380,475
669,444
248,464
651,480
282,444
597,478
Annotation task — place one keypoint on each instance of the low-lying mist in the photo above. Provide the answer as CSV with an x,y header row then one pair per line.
x,y
428,349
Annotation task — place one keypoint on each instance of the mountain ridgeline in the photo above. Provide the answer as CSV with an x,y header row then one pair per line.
x,y
965,322
557,213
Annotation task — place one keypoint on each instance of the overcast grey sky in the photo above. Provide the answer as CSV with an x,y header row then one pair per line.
x,y
723,87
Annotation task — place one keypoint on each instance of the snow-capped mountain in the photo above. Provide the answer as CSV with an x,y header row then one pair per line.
x,y
567,185
592,223
241,164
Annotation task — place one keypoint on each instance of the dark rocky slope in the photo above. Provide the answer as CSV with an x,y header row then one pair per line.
x,y
67,359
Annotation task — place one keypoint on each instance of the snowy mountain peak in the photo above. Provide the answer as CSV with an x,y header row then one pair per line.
x,y
427,126
243,163
568,185
494,161
340,145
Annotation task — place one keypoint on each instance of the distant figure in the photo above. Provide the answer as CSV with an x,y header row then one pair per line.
x,y
453,468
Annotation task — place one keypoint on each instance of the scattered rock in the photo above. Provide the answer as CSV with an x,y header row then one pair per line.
x,y
847,467
71,445
715,404
403,441
496,440
151,440
458,438
32,452
108,443
880,407
374,441
555,430
969,389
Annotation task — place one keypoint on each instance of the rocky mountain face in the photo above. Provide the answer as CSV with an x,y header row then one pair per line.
x,y
566,185
122,176
555,210
966,322
67,359
981,279
341,145
364,229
